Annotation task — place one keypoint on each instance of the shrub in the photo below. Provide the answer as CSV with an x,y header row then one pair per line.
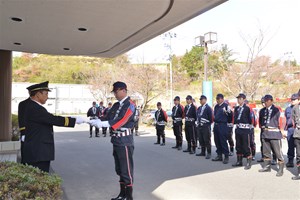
x,y
18,181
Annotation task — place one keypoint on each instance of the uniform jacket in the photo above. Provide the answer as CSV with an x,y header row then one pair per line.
x,y
39,139
296,121
122,116
93,114
204,115
242,115
288,116
222,113
271,123
177,113
161,118
190,115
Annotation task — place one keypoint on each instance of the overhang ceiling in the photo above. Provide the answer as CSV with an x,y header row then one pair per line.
x,y
104,28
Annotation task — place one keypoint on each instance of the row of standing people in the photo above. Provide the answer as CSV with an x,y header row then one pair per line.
x,y
100,112
198,123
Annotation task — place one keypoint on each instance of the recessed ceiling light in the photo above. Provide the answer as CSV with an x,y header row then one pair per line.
x,y
17,43
66,49
16,19
82,29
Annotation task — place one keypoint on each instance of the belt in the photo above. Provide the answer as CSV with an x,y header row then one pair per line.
x,y
230,125
122,132
244,126
271,129
189,119
161,123
178,119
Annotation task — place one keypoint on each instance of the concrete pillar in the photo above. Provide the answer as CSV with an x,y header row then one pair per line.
x,y
5,95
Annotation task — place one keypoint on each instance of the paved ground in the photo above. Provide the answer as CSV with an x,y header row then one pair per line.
x,y
86,165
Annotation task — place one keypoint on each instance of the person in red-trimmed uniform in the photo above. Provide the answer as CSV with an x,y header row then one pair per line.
x,y
161,118
38,146
120,119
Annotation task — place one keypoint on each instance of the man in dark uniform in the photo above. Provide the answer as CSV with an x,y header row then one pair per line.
x,y
21,120
204,120
289,127
222,113
121,120
93,113
244,123
105,112
38,148
177,116
271,136
296,120
189,127
161,118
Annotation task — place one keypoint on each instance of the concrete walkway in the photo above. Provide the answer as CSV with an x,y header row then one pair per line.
x,y
87,168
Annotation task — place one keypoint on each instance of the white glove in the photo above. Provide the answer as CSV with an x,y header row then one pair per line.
x,y
98,123
80,120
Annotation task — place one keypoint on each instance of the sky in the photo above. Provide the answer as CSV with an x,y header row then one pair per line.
x,y
278,19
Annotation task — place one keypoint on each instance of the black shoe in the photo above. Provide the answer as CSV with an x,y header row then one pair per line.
x,y
274,162
208,156
156,143
90,136
122,194
200,154
226,160
239,161
187,150
179,148
175,147
290,163
162,144
128,193
218,158
297,177
104,135
230,154
97,136
260,160
267,166
280,170
192,152
248,165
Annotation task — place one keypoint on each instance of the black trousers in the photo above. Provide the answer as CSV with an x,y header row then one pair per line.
x,y
96,130
104,130
297,144
221,137
43,165
230,139
190,136
178,134
252,141
123,156
274,145
242,142
204,135
160,132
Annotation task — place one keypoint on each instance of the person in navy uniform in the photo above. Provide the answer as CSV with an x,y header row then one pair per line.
x,y
244,122
104,115
38,148
93,113
177,116
222,113
120,119
296,120
271,136
161,119
203,123
190,126
289,127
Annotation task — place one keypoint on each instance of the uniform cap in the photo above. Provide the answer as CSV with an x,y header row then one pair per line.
x,y
39,86
220,96
268,97
262,99
241,95
119,85
202,97
177,98
295,96
189,97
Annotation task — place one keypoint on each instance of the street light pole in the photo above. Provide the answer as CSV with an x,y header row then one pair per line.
x,y
205,61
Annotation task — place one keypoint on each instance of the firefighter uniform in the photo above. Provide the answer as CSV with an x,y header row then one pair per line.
x,y
38,147
21,121
190,127
177,116
161,118
296,120
222,113
244,123
204,120
271,136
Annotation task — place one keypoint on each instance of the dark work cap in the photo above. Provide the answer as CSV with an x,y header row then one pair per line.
x,y
177,98
202,97
220,96
268,97
119,85
189,97
39,86
295,96
262,99
241,95
158,104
